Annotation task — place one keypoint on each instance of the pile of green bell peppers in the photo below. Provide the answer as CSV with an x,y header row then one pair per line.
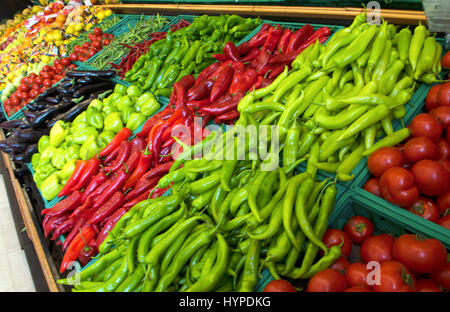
x,y
88,134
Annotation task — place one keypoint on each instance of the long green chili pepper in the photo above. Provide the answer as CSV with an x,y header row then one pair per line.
x,y
390,140
250,273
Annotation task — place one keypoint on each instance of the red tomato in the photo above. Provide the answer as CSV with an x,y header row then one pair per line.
x,y
359,228
442,114
443,202
66,61
445,62
34,93
395,277
431,100
425,208
383,159
44,75
442,277
36,87
445,221
73,57
58,77
356,275
427,285
97,31
426,125
7,102
38,80
419,254
46,68
431,177
106,42
24,95
377,248
419,148
358,289
448,137
31,80
97,44
47,83
397,186
328,280
279,286
24,80
91,53
333,237
372,186
60,68
76,49
23,87
56,62
86,45
33,75
51,74
340,264
443,96
15,101
444,149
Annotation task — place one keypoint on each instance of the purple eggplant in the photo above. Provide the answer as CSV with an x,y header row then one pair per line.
x,y
11,124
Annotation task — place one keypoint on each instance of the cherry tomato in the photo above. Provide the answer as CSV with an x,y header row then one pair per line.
x,y
395,277
397,186
51,74
356,275
24,80
443,96
425,208
106,42
15,101
47,83
33,75
431,177
279,286
372,186
46,68
427,285
426,125
445,62
445,221
56,62
419,148
66,61
34,93
60,68
23,87
377,248
35,87
340,264
73,57
31,80
7,102
24,95
333,237
419,254
91,53
328,280
97,44
383,159
359,228
431,100
97,31
442,277
76,49
44,75
38,80
86,45
448,137
443,202
357,289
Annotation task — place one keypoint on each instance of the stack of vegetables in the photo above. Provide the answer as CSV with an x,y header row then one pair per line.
x,y
187,51
97,39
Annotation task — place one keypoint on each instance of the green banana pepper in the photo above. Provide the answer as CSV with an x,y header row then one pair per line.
x,y
113,122
94,118
135,120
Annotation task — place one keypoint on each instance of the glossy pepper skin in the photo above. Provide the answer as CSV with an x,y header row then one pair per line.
x,y
222,83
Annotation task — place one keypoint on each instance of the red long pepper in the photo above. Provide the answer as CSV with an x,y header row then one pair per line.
x,y
298,37
111,156
243,48
261,31
272,39
148,125
85,206
66,205
284,41
220,57
108,226
98,180
321,39
108,208
260,40
222,83
122,135
231,51
276,71
142,187
243,80
63,228
222,107
78,171
115,185
141,168
137,144
54,223
122,157
157,171
91,169
73,250
208,71
227,116
132,161
198,104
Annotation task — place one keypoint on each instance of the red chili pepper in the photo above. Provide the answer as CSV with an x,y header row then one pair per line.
x,y
284,40
137,144
132,161
243,48
73,250
111,156
157,171
262,30
87,203
198,104
167,134
115,185
242,80
257,84
284,58
231,51
227,116
251,55
298,37
262,61
148,125
220,57
138,199
122,135
142,167
66,226
200,90
124,154
91,169
275,71
272,39
204,74
165,154
219,71
168,143
224,106
96,182
80,165
108,208
142,187
222,83
320,34
66,205
108,226
53,223
260,40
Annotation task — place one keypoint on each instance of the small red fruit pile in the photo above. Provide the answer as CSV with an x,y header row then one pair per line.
x,y
97,40
33,84
415,175
408,263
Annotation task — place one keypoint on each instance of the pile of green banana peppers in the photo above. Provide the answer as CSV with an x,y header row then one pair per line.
x,y
187,51
87,134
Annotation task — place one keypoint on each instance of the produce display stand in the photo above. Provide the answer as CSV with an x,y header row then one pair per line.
x,y
44,256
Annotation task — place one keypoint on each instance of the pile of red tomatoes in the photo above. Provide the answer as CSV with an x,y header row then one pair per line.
x,y
97,40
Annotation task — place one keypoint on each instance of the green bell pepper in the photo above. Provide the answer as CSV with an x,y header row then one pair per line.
x,y
120,88
78,126
113,122
51,187
135,120
57,133
47,154
67,169
81,136
133,91
112,98
107,110
72,152
106,136
147,104
80,118
124,102
43,142
35,160
94,117
97,104
58,158
89,148
125,114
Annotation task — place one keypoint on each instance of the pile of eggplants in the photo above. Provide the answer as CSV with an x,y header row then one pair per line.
x,y
63,101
